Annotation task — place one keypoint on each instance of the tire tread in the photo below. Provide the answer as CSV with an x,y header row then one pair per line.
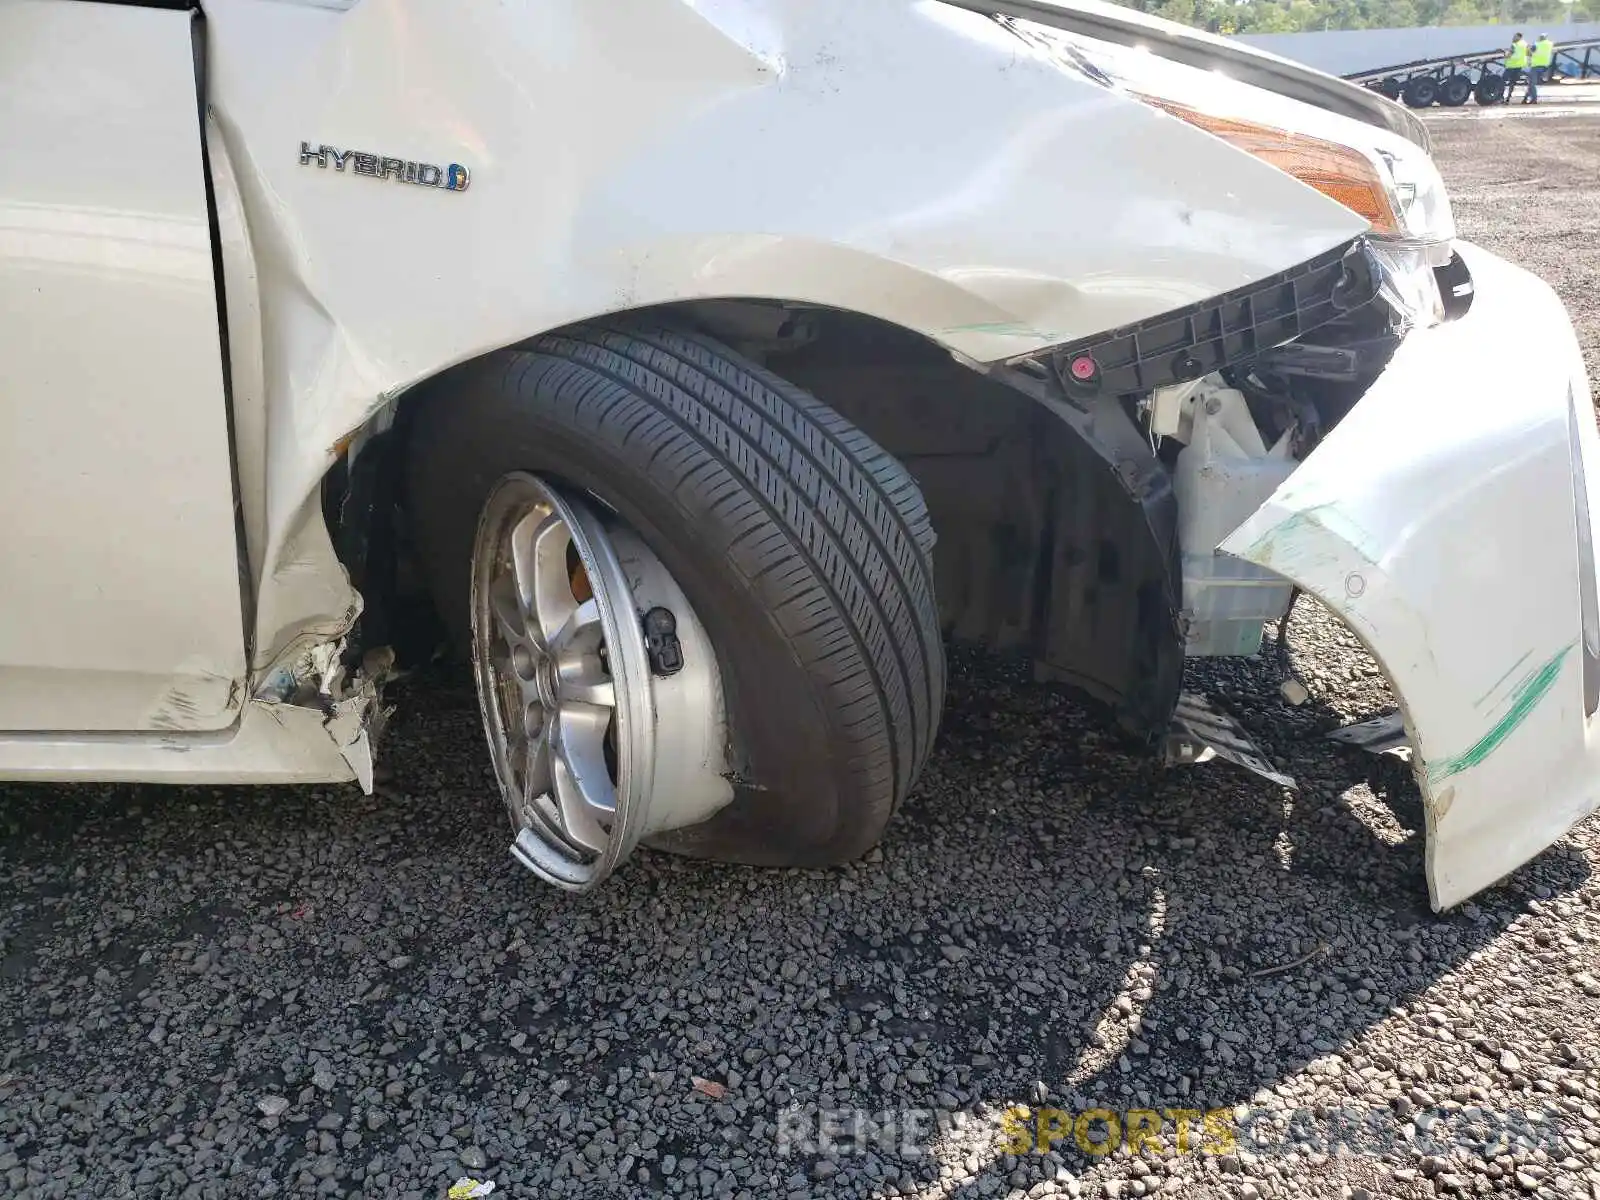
x,y
808,493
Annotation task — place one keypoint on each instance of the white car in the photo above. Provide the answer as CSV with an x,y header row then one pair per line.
x,y
704,364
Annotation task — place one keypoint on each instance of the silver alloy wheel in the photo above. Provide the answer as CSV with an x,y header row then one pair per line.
x,y
570,706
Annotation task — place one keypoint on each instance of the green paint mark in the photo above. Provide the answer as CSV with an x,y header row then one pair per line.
x,y
1308,539
1523,701
1267,549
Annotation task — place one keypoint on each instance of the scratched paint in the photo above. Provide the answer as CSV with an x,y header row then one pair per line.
x,y
1000,329
1524,700
1300,541
1312,540
1479,702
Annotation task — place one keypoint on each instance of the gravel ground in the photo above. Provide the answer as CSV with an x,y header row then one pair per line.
x,y
218,992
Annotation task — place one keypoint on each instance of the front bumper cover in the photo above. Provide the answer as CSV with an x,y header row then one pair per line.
x,y
1440,520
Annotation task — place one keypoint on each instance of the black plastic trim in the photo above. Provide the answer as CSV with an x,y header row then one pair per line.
x,y
1456,288
1190,343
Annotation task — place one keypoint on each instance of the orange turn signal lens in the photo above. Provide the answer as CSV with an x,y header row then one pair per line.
x,y
1336,171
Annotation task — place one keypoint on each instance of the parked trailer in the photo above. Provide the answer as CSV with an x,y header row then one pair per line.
x,y
1457,78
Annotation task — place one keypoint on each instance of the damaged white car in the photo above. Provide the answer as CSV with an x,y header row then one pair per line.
x,y
704,365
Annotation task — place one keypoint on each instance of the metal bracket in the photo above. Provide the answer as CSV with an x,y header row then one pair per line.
x,y
1383,734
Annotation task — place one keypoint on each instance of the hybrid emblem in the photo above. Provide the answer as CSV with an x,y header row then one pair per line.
x,y
453,178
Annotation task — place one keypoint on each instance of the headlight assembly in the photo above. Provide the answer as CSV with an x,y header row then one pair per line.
x,y
1420,199
1382,177
1397,189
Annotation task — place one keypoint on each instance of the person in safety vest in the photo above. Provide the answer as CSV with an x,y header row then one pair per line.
x,y
1540,58
1516,64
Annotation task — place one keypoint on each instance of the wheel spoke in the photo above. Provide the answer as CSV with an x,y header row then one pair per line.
x,y
580,631
536,773
508,612
583,787
539,556
597,693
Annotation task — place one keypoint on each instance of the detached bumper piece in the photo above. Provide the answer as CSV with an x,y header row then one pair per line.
x,y
1448,521
1235,327
1201,731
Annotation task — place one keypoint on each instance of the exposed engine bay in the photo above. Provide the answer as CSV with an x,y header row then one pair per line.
x,y
1231,436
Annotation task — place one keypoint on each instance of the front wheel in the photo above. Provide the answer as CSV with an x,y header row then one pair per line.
x,y
699,602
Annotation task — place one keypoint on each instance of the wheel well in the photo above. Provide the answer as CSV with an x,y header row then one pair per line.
x,y
1042,553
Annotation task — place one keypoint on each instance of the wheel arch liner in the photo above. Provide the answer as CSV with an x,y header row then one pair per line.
x,y
1438,520
1106,588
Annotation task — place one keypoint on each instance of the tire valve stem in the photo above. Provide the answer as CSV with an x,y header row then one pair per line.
x,y
661,642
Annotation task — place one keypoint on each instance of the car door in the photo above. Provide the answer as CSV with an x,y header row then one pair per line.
x,y
121,606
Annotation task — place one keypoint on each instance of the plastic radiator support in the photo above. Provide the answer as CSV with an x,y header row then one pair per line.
x,y
1190,343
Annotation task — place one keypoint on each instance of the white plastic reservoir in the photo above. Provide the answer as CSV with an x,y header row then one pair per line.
x,y
1223,475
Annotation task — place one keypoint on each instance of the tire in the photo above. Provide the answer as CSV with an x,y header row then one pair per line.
x,y
1390,88
1420,92
1491,89
1457,90
804,548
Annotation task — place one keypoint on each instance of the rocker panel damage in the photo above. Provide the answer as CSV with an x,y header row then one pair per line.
x,y
350,704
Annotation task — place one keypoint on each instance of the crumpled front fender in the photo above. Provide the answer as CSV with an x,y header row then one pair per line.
x,y
915,163
1440,520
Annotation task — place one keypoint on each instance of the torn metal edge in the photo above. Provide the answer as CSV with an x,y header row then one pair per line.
x,y
353,714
